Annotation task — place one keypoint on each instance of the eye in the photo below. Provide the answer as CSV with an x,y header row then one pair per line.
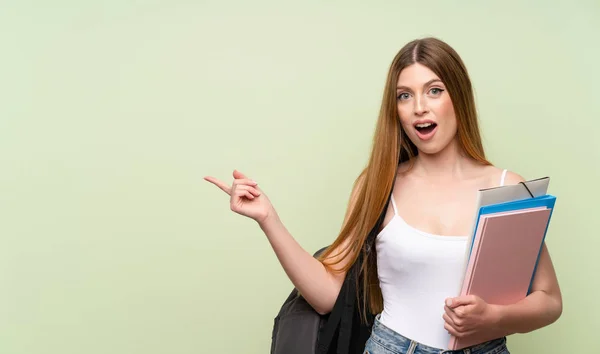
x,y
436,91
403,96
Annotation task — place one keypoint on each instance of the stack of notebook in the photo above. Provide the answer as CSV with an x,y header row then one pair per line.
x,y
506,241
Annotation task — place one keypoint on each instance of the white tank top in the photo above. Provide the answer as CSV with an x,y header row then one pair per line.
x,y
417,271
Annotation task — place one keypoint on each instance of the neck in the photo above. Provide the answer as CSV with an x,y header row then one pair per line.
x,y
448,163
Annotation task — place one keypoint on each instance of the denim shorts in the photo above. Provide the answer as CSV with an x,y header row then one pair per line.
x,y
384,340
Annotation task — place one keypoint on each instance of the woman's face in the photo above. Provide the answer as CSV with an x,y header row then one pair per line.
x,y
425,109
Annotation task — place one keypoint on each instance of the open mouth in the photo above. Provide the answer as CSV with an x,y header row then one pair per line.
x,y
425,128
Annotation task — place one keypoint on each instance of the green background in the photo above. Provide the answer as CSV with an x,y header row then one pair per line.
x,y
113,111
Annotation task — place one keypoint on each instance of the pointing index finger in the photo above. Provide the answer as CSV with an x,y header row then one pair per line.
x,y
222,185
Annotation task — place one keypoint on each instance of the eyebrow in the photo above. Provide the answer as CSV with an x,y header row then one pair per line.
x,y
426,84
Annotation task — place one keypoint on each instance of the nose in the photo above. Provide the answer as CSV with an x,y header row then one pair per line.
x,y
420,107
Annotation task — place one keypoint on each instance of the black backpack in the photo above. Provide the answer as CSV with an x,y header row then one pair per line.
x,y
297,326
299,329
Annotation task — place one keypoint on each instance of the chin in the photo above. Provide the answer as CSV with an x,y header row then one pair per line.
x,y
434,147
430,150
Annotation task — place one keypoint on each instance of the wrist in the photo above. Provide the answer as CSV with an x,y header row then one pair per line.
x,y
269,220
497,313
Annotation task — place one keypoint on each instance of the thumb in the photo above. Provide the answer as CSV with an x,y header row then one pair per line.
x,y
238,174
459,301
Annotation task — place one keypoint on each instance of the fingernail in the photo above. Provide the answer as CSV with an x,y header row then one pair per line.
x,y
448,302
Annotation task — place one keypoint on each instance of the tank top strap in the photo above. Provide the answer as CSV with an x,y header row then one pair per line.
x,y
503,177
394,204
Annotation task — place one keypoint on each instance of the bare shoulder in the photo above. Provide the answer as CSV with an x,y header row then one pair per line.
x,y
495,176
513,178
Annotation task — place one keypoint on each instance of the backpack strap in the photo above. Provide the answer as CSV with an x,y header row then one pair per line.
x,y
345,333
343,310
335,316
370,241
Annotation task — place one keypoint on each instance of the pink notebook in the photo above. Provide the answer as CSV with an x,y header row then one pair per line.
x,y
505,251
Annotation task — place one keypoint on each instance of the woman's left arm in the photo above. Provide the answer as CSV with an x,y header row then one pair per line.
x,y
469,314
540,308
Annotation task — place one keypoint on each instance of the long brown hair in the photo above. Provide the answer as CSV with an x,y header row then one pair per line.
x,y
390,147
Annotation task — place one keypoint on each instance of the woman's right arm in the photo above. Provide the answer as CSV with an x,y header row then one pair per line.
x,y
318,285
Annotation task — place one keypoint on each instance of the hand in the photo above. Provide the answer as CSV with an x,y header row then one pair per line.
x,y
245,197
468,315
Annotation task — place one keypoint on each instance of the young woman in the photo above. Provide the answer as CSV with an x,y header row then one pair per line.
x,y
427,152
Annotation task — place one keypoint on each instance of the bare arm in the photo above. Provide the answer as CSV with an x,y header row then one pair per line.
x,y
465,316
540,308
318,285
